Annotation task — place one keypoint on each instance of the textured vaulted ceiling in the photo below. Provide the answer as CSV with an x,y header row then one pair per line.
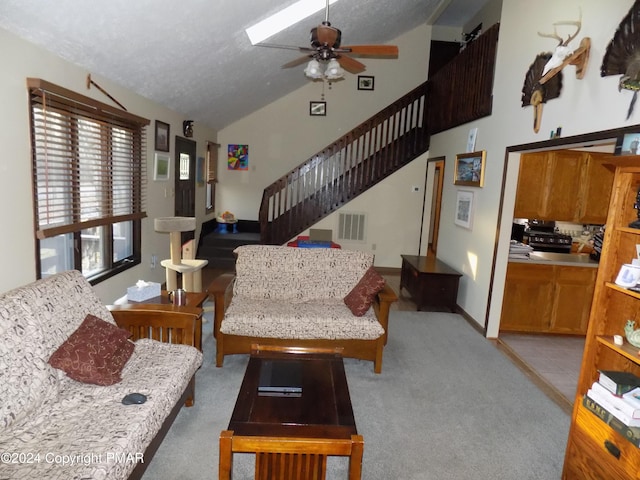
x,y
193,56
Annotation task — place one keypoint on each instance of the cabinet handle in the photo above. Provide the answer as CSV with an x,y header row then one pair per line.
x,y
612,449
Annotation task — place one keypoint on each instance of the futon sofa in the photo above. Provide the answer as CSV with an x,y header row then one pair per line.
x,y
69,421
306,297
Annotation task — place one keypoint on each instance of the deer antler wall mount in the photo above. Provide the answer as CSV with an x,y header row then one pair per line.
x,y
564,55
543,80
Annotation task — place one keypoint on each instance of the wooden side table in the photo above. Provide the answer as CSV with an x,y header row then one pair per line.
x,y
194,300
431,282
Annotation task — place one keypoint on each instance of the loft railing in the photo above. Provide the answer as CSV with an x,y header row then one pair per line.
x,y
381,145
346,168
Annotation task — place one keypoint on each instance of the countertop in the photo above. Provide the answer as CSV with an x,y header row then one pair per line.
x,y
549,258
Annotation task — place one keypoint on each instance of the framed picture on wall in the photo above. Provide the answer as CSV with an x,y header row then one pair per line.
x,y
469,169
365,82
464,209
317,109
162,136
161,167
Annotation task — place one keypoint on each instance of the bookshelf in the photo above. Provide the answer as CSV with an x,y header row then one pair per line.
x,y
594,449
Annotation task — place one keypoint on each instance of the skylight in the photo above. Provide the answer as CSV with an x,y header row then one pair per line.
x,y
284,19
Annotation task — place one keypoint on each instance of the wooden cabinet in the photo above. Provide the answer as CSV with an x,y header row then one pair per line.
x,y
597,182
532,181
564,185
594,450
547,298
431,283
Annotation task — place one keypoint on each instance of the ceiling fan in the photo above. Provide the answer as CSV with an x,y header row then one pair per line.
x,y
325,47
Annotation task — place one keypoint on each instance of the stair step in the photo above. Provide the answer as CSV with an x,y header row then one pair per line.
x,y
218,248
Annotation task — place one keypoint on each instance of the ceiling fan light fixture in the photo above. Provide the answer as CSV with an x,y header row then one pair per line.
x,y
313,70
334,71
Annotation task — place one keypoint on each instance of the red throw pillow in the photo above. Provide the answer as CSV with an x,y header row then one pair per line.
x,y
95,353
360,298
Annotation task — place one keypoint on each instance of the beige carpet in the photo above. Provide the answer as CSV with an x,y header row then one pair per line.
x,y
448,405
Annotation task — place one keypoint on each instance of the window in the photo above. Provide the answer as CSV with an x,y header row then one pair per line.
x,y
89,179
212,176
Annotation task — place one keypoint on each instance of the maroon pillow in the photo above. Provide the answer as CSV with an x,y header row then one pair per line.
x,y
360,298
95,353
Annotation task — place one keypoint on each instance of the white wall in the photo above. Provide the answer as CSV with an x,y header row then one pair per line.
x,y
587,105
20,60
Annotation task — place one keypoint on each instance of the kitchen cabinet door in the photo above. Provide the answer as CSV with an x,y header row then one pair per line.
x,y
527,302
596,189
532,182
564,187
572,298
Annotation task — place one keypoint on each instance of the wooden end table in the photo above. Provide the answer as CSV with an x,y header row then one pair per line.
x,y
194,300
283,430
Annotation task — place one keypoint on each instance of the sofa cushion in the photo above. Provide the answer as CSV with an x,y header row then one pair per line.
x,y
95,353
26,380
360,298
319,319
91,420
298,274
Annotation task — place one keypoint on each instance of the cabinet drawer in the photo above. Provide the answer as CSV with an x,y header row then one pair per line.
x,y
591,455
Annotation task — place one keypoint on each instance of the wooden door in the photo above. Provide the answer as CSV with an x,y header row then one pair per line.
x,y
436,204
185,181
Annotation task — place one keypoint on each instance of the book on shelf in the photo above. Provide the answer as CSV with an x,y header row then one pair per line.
x,y
618,382
614,405
630,433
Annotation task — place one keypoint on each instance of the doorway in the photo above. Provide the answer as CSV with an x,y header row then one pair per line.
x,y
435,169
185,181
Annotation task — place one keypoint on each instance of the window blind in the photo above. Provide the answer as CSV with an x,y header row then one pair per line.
x,y
89,161
212,162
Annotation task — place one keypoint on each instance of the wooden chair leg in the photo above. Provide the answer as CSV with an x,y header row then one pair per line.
x,y
355,460
226,455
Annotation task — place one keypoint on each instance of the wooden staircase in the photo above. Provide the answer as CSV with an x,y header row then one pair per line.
x,y
458,93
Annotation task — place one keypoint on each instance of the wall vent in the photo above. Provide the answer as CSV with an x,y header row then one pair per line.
x,y
351,226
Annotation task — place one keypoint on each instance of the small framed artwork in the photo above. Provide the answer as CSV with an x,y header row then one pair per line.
x,y
162,136
161,167
365,82
628,144
464,209
317,109
237,157
469,169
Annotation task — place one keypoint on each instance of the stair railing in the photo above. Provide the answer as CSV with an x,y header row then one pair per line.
x,y
345,168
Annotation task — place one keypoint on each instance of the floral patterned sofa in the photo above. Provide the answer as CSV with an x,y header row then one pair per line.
x,y
55,427
305,297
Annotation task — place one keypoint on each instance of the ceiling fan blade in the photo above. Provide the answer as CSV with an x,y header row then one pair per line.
x,y
286,47
371,50
297,61
351,65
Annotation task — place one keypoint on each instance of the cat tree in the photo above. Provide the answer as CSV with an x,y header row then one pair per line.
x,y
189,268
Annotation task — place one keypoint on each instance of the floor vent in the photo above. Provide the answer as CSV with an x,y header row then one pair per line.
x,y
352,227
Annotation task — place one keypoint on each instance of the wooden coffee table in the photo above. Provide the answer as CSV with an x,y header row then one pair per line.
x,y
293,436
